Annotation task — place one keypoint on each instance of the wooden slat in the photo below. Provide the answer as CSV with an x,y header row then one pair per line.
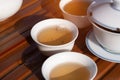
x,y
103,68
11,50
29,66
11,42
11,59
113,74
36,76
9,68
18,73
27,11
19,28
33,77
16,37
52,6
27,3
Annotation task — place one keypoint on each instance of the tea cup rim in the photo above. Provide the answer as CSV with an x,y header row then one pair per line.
x,y
39,43
48,60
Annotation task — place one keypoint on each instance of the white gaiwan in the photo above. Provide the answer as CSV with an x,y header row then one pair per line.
x,y
9,8
105,17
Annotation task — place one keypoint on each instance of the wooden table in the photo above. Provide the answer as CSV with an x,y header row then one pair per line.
x,y
19,57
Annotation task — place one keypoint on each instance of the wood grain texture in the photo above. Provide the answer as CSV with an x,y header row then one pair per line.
x,y
20,58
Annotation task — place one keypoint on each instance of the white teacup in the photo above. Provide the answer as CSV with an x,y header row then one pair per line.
x,y
52,49
68,57
80,20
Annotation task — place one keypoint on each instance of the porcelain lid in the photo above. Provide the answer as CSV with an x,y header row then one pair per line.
x,y
106,14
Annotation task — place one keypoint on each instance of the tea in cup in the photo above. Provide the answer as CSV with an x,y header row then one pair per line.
x,y
54,35
76,11
69,66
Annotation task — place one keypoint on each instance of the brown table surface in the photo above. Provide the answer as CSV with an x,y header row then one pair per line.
x,y
19,57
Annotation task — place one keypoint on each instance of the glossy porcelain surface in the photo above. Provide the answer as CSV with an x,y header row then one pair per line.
x,y
96,49
49,49
105,22
68,57
80,21
105,14
8,8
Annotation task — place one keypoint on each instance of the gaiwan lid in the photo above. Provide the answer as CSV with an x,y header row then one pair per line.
x,y
106,14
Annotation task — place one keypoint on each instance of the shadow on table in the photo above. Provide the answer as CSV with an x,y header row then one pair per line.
x,y
80,42
31,57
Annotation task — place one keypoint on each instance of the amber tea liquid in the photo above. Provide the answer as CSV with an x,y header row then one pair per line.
x,y
70,71
77,7
55,35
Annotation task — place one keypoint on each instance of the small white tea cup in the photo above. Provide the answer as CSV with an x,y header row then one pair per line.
x,y
52,49
81,21
68,57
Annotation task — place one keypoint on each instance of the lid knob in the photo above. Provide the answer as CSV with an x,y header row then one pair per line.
x,y
116,4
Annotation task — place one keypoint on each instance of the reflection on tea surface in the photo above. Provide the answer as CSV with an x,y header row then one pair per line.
x,y
55,35
77,7
70,71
